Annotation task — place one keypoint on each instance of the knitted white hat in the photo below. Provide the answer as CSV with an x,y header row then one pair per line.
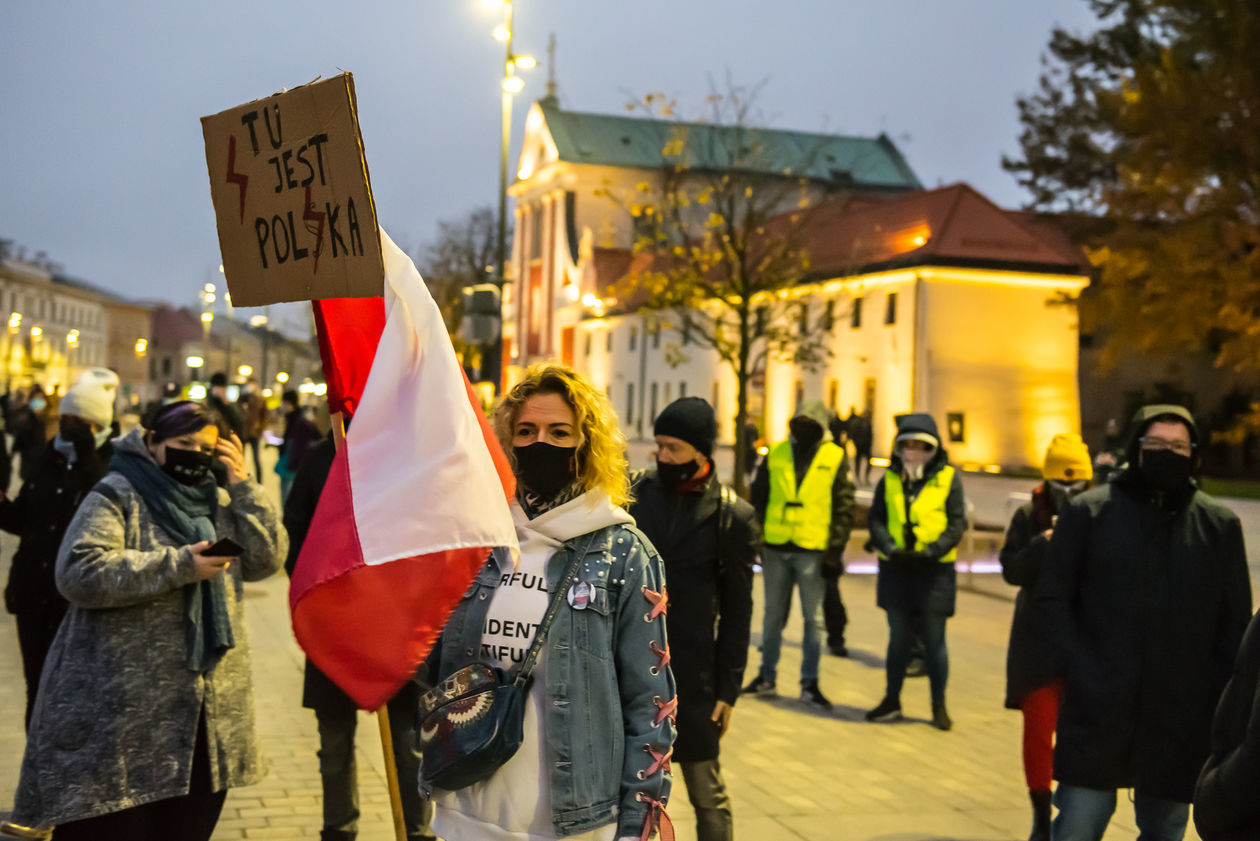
x,y
91,398
101,376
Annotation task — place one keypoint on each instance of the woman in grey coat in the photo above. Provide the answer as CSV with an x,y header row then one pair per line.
x,y
145,714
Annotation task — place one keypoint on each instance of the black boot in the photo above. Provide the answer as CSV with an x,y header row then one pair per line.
x,y
335,835
1041,814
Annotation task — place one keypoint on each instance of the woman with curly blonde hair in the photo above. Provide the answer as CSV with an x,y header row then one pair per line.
x,y
598,730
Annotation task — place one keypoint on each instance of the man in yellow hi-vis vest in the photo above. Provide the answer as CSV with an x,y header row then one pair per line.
x,y
804,496
918,516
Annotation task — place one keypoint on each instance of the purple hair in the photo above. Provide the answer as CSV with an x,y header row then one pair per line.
x,y
182,418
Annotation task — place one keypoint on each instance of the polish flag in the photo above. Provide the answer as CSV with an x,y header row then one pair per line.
x,y
415,499
348,330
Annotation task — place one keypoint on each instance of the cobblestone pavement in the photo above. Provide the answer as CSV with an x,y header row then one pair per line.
x,y
793,773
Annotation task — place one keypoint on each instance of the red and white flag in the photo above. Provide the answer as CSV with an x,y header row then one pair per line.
x,y
414,501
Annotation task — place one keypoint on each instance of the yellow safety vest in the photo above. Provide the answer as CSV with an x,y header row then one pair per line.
x,y
801,515
927,511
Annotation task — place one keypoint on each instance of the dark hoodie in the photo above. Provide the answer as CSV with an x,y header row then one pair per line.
x,y
927,586
1145,598
842,490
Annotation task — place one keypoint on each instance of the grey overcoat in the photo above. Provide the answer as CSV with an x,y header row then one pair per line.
x,y
116,719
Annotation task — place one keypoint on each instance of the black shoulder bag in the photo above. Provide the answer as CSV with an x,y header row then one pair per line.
x,y
472,722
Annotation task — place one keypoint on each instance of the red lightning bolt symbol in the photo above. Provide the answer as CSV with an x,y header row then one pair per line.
x,y
234,177
309,212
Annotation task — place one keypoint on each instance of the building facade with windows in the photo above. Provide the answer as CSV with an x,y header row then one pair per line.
x,y
956,308
923,300
578,172
56,328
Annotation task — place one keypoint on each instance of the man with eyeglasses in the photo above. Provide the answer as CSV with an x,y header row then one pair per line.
x,y
1145,595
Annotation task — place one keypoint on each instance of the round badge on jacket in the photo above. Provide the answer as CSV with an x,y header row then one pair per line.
x,y
580,595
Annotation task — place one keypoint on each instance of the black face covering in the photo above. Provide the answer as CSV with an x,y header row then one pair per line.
x,y
807,433
78,433
1164,470
545,469
674,475
188,467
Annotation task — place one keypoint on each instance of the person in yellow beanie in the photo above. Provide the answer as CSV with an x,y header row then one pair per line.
x,y
1031,683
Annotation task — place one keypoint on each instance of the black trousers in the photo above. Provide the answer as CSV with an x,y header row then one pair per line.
x,y
189,817
36,632
835,617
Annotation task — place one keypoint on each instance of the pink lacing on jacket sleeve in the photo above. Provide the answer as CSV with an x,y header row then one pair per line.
x,y
660,761
665,709
657,819
662,657
660,603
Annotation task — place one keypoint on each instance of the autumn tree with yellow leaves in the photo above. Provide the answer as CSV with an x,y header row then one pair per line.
x,y
721,243
1147,130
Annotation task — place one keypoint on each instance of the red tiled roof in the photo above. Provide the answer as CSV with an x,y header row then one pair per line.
x,y
952,225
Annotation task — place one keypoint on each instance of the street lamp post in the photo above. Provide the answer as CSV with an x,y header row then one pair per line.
x,y
492,362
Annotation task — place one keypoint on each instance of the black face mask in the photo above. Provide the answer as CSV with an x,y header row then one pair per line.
x,y
806,433
545,469
188,467
78,433
674,476
1165,471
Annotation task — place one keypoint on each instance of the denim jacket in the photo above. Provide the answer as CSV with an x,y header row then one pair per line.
x,y
607,671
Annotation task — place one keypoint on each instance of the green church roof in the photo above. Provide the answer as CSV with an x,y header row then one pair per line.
x,y
637,142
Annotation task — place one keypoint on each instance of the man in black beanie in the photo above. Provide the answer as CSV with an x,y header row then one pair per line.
x,y
706,536
1144,597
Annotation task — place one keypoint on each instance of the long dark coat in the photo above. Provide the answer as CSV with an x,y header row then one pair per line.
x,y
710,587
1145,601
1226,807
1028,657
39,516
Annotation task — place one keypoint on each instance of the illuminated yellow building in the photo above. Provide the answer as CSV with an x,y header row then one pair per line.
x,y
924,300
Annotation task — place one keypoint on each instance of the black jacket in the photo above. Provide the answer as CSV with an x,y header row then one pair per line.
x,y
1145,599
708,563
927,584
1226,807
1028,660
319,693
40,516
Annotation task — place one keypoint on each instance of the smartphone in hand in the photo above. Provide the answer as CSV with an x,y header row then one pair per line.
x,y
225,548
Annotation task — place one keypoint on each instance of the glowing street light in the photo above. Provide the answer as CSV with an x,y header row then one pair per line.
x,y
142,347
36,332
511,84
194,361
15,322
72,338
245,370
207,317
282,377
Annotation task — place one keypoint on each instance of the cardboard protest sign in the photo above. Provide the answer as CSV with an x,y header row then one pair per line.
x,y
292,198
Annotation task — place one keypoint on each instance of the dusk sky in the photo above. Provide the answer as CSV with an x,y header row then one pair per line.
x,y
104,165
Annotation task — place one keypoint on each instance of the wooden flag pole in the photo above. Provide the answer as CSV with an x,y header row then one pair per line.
x,y
382,715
